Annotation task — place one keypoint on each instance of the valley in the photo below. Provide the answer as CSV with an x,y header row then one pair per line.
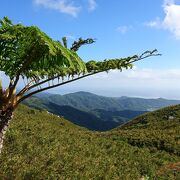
x,y
97,113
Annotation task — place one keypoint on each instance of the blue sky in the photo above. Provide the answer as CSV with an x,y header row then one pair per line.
x,y
122,28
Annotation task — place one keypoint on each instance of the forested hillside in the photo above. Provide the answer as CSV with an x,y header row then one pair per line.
x,y
88,101
97,119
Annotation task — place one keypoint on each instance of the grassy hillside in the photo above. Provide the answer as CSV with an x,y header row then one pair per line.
x,y
156,130
39,145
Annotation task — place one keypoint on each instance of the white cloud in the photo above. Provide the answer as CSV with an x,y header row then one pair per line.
x,y
62,6
144,75
155,23
172,18
123,29
66,6
92,5
171,21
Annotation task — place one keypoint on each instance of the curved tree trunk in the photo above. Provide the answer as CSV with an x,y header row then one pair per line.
x,y
5,117
8,103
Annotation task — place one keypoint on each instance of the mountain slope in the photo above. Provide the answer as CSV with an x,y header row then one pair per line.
x,y
117,116
97,119
82,118
39,145
87,101
96,112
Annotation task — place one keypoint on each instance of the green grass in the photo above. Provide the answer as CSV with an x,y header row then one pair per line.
x,y
39,145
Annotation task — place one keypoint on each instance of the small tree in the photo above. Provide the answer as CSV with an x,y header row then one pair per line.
x,y
28,53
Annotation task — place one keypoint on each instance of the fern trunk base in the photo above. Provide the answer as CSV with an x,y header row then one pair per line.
x,y
5,118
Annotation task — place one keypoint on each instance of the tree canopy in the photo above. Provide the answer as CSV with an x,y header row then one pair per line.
x,y
28,53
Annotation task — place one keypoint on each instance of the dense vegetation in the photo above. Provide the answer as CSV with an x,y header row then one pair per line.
x,y
156,130
39,145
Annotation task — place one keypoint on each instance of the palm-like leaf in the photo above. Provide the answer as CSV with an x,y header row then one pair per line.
x,y
30,52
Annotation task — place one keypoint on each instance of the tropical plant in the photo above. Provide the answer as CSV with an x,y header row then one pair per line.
x,y
29,54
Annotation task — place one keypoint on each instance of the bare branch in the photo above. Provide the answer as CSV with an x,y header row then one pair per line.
x,y
38,84
145,55
56,85
25,89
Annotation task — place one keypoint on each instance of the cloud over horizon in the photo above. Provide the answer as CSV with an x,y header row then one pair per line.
x,y
137,82
150,83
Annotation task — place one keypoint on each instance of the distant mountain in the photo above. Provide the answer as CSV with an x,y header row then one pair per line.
x,y
96,112
98,120
87,101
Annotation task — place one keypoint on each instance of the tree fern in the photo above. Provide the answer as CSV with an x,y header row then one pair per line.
x,y
28,53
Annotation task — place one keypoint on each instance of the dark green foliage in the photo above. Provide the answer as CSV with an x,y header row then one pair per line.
x,y
64,39
77,44
39,145
29,52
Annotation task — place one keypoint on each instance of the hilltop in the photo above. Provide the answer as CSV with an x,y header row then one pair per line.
x,y
40,145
